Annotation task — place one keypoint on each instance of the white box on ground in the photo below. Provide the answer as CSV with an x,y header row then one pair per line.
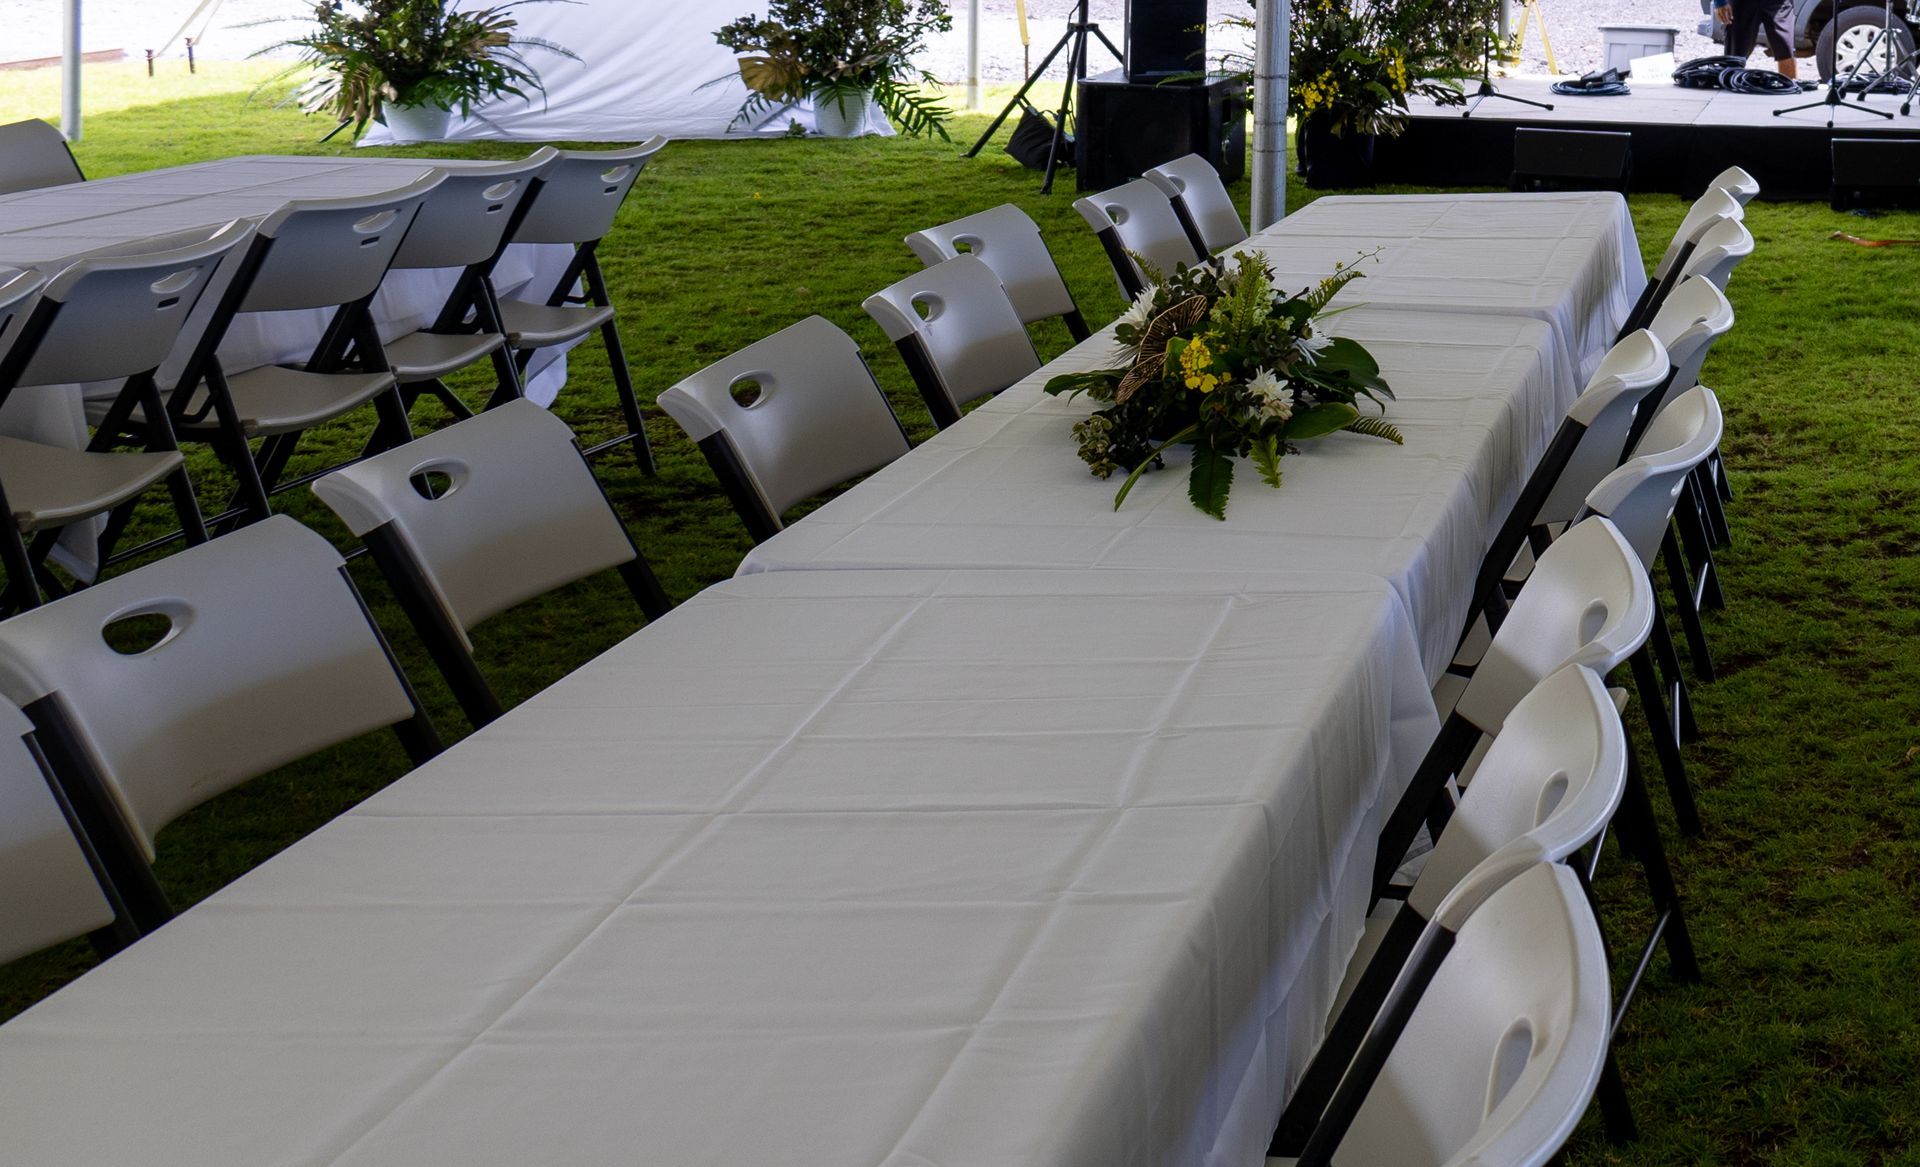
x,y
1621,43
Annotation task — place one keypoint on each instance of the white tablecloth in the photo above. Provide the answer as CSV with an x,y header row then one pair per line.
x,y
901,868
1571,260
1478,400
46,229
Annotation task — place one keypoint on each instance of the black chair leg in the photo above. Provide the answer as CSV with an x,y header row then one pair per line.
x,y
23,585
646,588
1666,743
1684,600
1638,825
1077,326
1696,539
629,404
1680,701
1616,1112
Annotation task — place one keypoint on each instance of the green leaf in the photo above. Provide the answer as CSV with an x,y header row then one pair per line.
x,y
1321,420
1266,459
1147,461
1378,427
1209,480
1071,383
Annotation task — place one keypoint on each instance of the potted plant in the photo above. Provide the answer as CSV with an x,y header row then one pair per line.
x,y
841,55
409,64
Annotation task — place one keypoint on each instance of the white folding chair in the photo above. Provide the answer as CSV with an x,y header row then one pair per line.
x,y
478,517
51,882
1137,217
1720,248
1555,775
329,254
1493,1040
109,318
1736,182
34,156
818,418
579,195
1009,242
958,333
1710,209
156,690
1695,316
1201,200
464,224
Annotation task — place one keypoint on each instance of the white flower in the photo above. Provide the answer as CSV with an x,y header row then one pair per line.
x,y
1310,347
1141,310
1274,398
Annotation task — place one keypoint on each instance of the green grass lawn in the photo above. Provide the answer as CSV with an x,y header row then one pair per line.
x,y
1803,1045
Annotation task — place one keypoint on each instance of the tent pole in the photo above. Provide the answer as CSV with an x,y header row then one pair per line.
x,y
70,71
973,54
1269,112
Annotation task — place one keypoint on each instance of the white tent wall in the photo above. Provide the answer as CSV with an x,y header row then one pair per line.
x,y
645,67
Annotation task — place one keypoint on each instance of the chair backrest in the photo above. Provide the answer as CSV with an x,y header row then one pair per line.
x,y
48,889
1499,1059
1555,773
1136,217
1631,369
1640,495
1694,315
1009,242
464,220
1736,182
957,331
321,253
518,514
113,317
1714,206
268,655
16,297
34,156
1720,249
818,420
1588,601
1194,186
581,192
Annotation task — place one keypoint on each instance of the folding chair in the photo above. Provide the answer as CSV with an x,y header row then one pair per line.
x,y
817,419
958,333
1736,182
1710,209
579,194
34,156
1201,201
267,655
109,318
1695,316
1137,218
478,517
1009,242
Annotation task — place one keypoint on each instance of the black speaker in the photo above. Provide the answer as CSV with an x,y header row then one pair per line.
x,y
1876,172
1165,38
1125,130
1571,159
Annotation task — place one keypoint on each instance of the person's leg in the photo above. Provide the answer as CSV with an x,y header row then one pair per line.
x,y
1743,31
1778,26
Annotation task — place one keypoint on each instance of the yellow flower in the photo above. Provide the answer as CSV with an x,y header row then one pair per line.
x,y
1196,363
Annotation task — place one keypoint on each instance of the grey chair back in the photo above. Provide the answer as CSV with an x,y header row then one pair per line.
x,y
113,317
465,220
321,253
33,156
16,293
582,192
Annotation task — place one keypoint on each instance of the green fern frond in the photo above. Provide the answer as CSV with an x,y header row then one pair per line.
x,y
1377,427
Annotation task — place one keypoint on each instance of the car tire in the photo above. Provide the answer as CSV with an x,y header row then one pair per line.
x,y
1847,35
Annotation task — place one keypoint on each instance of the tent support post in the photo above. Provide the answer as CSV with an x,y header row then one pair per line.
x,y
973,54
70,70
1269,114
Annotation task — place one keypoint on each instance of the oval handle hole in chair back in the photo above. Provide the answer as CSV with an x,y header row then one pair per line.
x,y
143,629
500,190
927,306
746,392
614,176
966,244
1551,796
179,281
1117,213
437,480
1510,1060
377,222
1593,620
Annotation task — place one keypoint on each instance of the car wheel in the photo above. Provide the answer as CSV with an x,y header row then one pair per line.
x,y
1847,37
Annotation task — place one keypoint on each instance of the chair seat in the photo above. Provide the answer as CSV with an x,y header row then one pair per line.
x,y
538,325
50,486
428,356
273,400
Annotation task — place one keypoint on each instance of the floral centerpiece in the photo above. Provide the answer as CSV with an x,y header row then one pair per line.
x,y
1219,359
839,53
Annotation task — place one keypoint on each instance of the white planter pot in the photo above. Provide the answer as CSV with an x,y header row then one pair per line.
x,y
416,123
841,117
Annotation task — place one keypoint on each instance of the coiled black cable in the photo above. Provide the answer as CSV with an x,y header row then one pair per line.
x,y
1607,84
1732,75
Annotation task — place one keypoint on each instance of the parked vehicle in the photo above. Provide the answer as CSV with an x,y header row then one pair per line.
x,y
1836,32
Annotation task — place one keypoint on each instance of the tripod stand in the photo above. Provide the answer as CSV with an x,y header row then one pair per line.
x,y
1075,42
1896,59
1487,89
1837,85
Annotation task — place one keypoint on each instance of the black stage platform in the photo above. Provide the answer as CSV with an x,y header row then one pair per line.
x,y
1681,137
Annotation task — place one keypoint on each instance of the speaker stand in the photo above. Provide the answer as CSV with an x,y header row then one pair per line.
x,y
1074,40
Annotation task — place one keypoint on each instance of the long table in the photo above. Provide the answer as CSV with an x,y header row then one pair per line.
x,y
900,868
